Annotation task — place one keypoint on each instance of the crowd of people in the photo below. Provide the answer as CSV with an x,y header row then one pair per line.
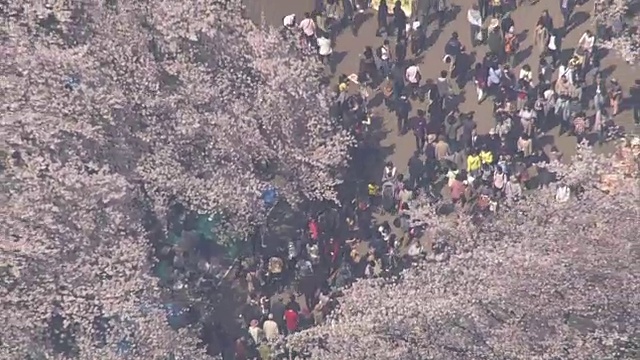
x,y
452,164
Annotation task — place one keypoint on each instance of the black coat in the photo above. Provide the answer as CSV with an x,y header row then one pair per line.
x,y
383,13
399,17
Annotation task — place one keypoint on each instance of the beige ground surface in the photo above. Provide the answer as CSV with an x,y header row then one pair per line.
x,y
347,48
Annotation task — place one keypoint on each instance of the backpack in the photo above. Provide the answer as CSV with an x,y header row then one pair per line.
x,y
379,52
452,47
510,45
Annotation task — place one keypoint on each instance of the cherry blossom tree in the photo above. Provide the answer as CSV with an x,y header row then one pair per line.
x,y
191,101
542,280
76,278
616,15
109,105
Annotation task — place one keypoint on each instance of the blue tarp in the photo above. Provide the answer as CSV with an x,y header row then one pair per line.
x,y
270,197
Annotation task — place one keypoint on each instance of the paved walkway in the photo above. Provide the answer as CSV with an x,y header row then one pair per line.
x,y
400,148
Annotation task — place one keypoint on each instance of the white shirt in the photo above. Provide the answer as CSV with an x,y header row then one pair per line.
x,y
566,71
384,53
563,194
527,75
324,46
552,43
412,74
474,17
389,173
415,249
289,20
587,42
270,329
308,27
256,333
494,76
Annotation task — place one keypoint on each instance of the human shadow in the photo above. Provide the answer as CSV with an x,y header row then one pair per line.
x,y
451,14
521,37
433,38
336,59
577,19
358,21
601,53
545,140
606,72
523,55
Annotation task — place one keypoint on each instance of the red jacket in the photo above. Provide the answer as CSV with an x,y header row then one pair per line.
x,y
314,230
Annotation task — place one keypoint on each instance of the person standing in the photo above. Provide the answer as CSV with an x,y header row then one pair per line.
x,y
413,77
441,11
480,79
402,107
507,23
399,20
543,30
324,48
416,170
475,22
308,27
419,126
383,18
555,47
510,47
565,9
634,94
442,149
615,96
495,41
451,126
386,57
401,51
483,7
335,16
496,8
291,319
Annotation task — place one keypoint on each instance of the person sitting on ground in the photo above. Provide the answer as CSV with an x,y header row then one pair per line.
x,y
389,172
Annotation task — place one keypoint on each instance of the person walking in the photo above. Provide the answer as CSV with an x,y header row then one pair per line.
x,y
634,95
383,19
565,9
483,7
399,20
441,11
543,30
475,22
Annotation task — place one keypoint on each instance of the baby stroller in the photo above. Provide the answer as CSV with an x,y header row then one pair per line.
x,y
388,198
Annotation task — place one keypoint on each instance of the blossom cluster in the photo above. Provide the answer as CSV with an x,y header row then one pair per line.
x,y
110,108
616,17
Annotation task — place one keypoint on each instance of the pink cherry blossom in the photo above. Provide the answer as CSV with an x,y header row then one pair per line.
x,y
117,106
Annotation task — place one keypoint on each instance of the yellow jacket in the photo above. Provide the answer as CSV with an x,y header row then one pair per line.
x,y
473,163
486,157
